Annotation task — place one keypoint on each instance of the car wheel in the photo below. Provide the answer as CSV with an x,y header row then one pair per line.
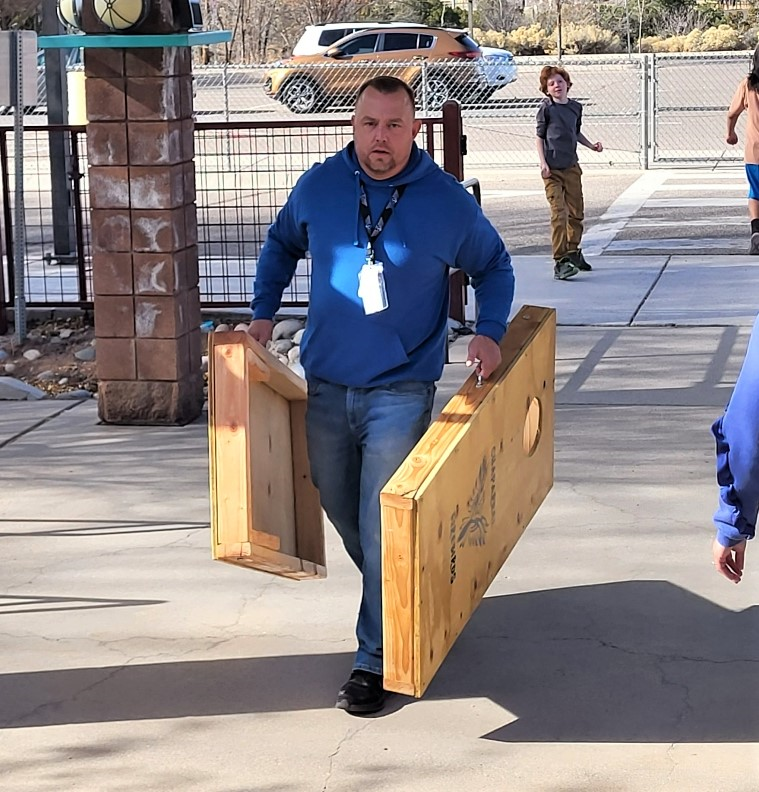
x,y
301,95
438,92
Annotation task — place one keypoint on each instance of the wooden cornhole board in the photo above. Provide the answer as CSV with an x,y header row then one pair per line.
x,y
457,506
265,511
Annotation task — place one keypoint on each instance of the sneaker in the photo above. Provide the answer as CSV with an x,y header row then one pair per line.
x,y
564,269
754,249
576,257
362,693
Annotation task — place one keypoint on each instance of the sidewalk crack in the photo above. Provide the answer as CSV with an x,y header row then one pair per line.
x,y
648,293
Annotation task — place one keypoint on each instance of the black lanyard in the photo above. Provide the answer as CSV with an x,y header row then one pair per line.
x,y
373,231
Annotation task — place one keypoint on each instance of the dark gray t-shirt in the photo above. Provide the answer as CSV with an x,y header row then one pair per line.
x,y
559,125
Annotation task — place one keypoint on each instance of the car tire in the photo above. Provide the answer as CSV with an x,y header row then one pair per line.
x,y
438,91
301,95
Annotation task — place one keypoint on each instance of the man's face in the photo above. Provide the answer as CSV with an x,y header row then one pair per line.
x,y
383,132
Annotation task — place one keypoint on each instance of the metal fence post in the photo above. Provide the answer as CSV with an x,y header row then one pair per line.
x,y
225,84
453,163
652,103
19,238
644,111
425,109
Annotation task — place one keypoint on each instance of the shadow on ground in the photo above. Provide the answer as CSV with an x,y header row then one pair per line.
x,y
638,661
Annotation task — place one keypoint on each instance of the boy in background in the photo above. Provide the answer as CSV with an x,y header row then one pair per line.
x,y
746,98
559,119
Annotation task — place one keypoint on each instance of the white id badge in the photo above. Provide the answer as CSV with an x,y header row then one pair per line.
x,y
371,287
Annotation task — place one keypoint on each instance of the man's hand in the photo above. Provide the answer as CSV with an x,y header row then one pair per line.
x,y
731,138
545,171
597,146
261,329
485,354
728,561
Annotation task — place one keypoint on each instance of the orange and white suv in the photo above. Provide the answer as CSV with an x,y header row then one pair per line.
x,y
438,63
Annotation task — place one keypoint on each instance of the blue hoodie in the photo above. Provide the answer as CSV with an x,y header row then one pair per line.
x,y
436,225
737,434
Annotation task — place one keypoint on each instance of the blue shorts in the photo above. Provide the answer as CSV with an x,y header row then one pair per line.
x,y
752,174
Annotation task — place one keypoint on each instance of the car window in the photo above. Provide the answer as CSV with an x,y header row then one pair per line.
x,y
467,42
361,45
329,37
399,41
426,42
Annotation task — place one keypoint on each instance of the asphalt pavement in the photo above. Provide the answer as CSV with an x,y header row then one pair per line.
x,y
607,656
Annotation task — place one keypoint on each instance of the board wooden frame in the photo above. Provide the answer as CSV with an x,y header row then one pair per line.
x,y
265,510
459,503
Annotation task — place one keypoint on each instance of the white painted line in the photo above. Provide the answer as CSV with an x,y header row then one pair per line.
x,y
682,203
703,188
616,217
680,243
510,193
722,173
712,221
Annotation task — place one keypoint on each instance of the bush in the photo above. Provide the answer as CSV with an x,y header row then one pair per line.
x,y
490,38
589,40
529,40
713,39
749,39
722,37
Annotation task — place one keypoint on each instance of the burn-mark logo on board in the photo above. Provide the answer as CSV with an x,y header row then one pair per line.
x,y
474,528
472,531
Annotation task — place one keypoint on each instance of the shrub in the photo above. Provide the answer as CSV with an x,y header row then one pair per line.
x,y
713,39
528,40
722,37
589,40
490,38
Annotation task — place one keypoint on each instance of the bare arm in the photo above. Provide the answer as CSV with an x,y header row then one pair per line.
x,y
585,142
737,106
732,119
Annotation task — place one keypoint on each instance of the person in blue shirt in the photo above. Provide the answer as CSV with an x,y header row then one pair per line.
x,y
737,435
383,225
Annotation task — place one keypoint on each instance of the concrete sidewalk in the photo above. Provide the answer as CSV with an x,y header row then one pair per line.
x,y
607,656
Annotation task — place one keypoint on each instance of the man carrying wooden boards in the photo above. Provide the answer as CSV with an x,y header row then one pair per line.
x,y
383,224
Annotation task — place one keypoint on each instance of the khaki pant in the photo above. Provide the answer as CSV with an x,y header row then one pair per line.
x,y
564,193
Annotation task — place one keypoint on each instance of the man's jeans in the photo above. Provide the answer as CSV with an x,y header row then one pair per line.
x,y
357,439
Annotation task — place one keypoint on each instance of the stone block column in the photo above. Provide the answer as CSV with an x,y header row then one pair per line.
x,y
144,234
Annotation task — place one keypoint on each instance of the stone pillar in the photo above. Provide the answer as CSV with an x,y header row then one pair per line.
x,y
144,234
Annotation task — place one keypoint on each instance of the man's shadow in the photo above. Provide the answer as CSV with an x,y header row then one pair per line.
x,y
638,661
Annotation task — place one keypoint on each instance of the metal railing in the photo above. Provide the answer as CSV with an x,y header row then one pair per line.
x,y
244,172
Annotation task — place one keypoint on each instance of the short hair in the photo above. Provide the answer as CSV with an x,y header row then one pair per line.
x,y
388,85
547,72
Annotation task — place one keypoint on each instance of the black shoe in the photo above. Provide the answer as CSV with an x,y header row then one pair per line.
x,y
576,257
564,269
362,694
754,246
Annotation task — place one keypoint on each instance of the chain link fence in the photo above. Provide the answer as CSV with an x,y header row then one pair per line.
x,y
648,111
645,109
